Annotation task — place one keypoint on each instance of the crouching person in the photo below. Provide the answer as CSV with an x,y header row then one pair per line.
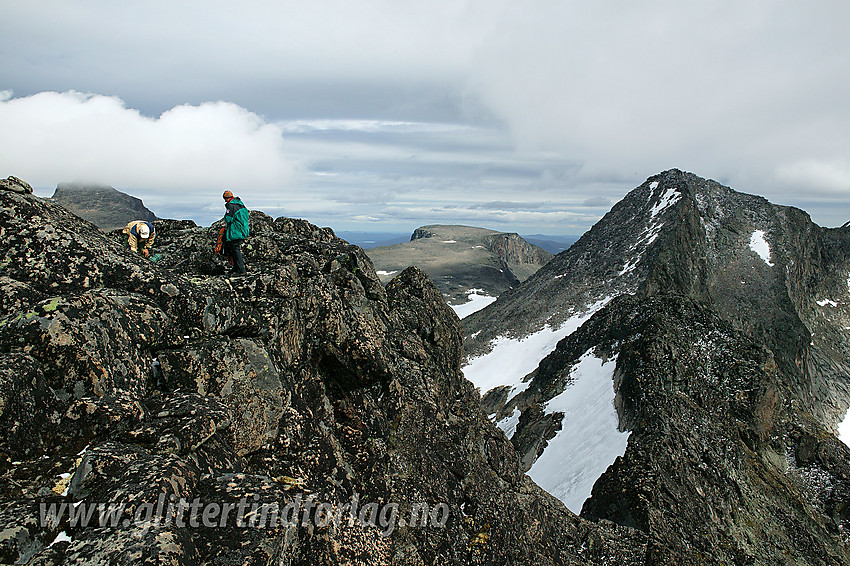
x,y
140,236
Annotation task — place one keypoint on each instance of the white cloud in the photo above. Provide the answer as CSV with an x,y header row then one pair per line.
x,y
334,172
52,137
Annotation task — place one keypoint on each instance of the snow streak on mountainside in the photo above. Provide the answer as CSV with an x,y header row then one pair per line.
x,y
588,441
512,359
610,259
760,246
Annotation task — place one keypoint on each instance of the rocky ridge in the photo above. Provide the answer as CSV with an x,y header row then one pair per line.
x,y
129,382
726,317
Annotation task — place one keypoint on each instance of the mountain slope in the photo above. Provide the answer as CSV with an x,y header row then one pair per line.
x,y
461,258
681,234
719,322
103,206
127,383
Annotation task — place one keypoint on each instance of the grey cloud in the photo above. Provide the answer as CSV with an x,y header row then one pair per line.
x,y
440,105
751,93
596,202
364,197
508,205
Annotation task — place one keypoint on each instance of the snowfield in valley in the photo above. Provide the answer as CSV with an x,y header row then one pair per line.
x,y
477,300
589,440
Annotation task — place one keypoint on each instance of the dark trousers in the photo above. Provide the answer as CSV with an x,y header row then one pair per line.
x,y
233,248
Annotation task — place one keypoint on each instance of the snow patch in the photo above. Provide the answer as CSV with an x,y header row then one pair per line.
x,y
844,429
825,302
653,228
653,185
670,197
630,266
508,424
65,481
477,300
511,359
760,246
449,241
589,440
386,272
61,537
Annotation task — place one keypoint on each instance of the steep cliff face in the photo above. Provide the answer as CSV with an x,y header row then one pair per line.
x,y
714,323
106,207
138,384
523,258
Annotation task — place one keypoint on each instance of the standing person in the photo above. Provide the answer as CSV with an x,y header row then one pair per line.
x,y
140,234
236,219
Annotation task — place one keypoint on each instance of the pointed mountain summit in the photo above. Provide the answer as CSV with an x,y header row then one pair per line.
x,y
764,268
687,358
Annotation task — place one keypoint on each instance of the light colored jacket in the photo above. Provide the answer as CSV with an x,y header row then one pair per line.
x,y
133,239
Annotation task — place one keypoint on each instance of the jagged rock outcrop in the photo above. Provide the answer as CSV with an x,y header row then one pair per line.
x,y
129,382
724,317
15,185
103,206
460,258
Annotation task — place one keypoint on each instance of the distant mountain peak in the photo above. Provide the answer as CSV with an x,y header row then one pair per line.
x,y
460,259
760,266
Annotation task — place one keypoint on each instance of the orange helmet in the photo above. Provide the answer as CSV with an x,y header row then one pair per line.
x,y
227,195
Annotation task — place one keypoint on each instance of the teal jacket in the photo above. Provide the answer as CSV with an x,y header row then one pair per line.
x,y
236,218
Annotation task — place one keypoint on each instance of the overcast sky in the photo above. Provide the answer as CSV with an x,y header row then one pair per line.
x,y
531,116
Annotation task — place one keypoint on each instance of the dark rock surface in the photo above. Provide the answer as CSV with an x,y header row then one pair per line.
x,y
460,258
130,382
104,206
15,185
732,371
